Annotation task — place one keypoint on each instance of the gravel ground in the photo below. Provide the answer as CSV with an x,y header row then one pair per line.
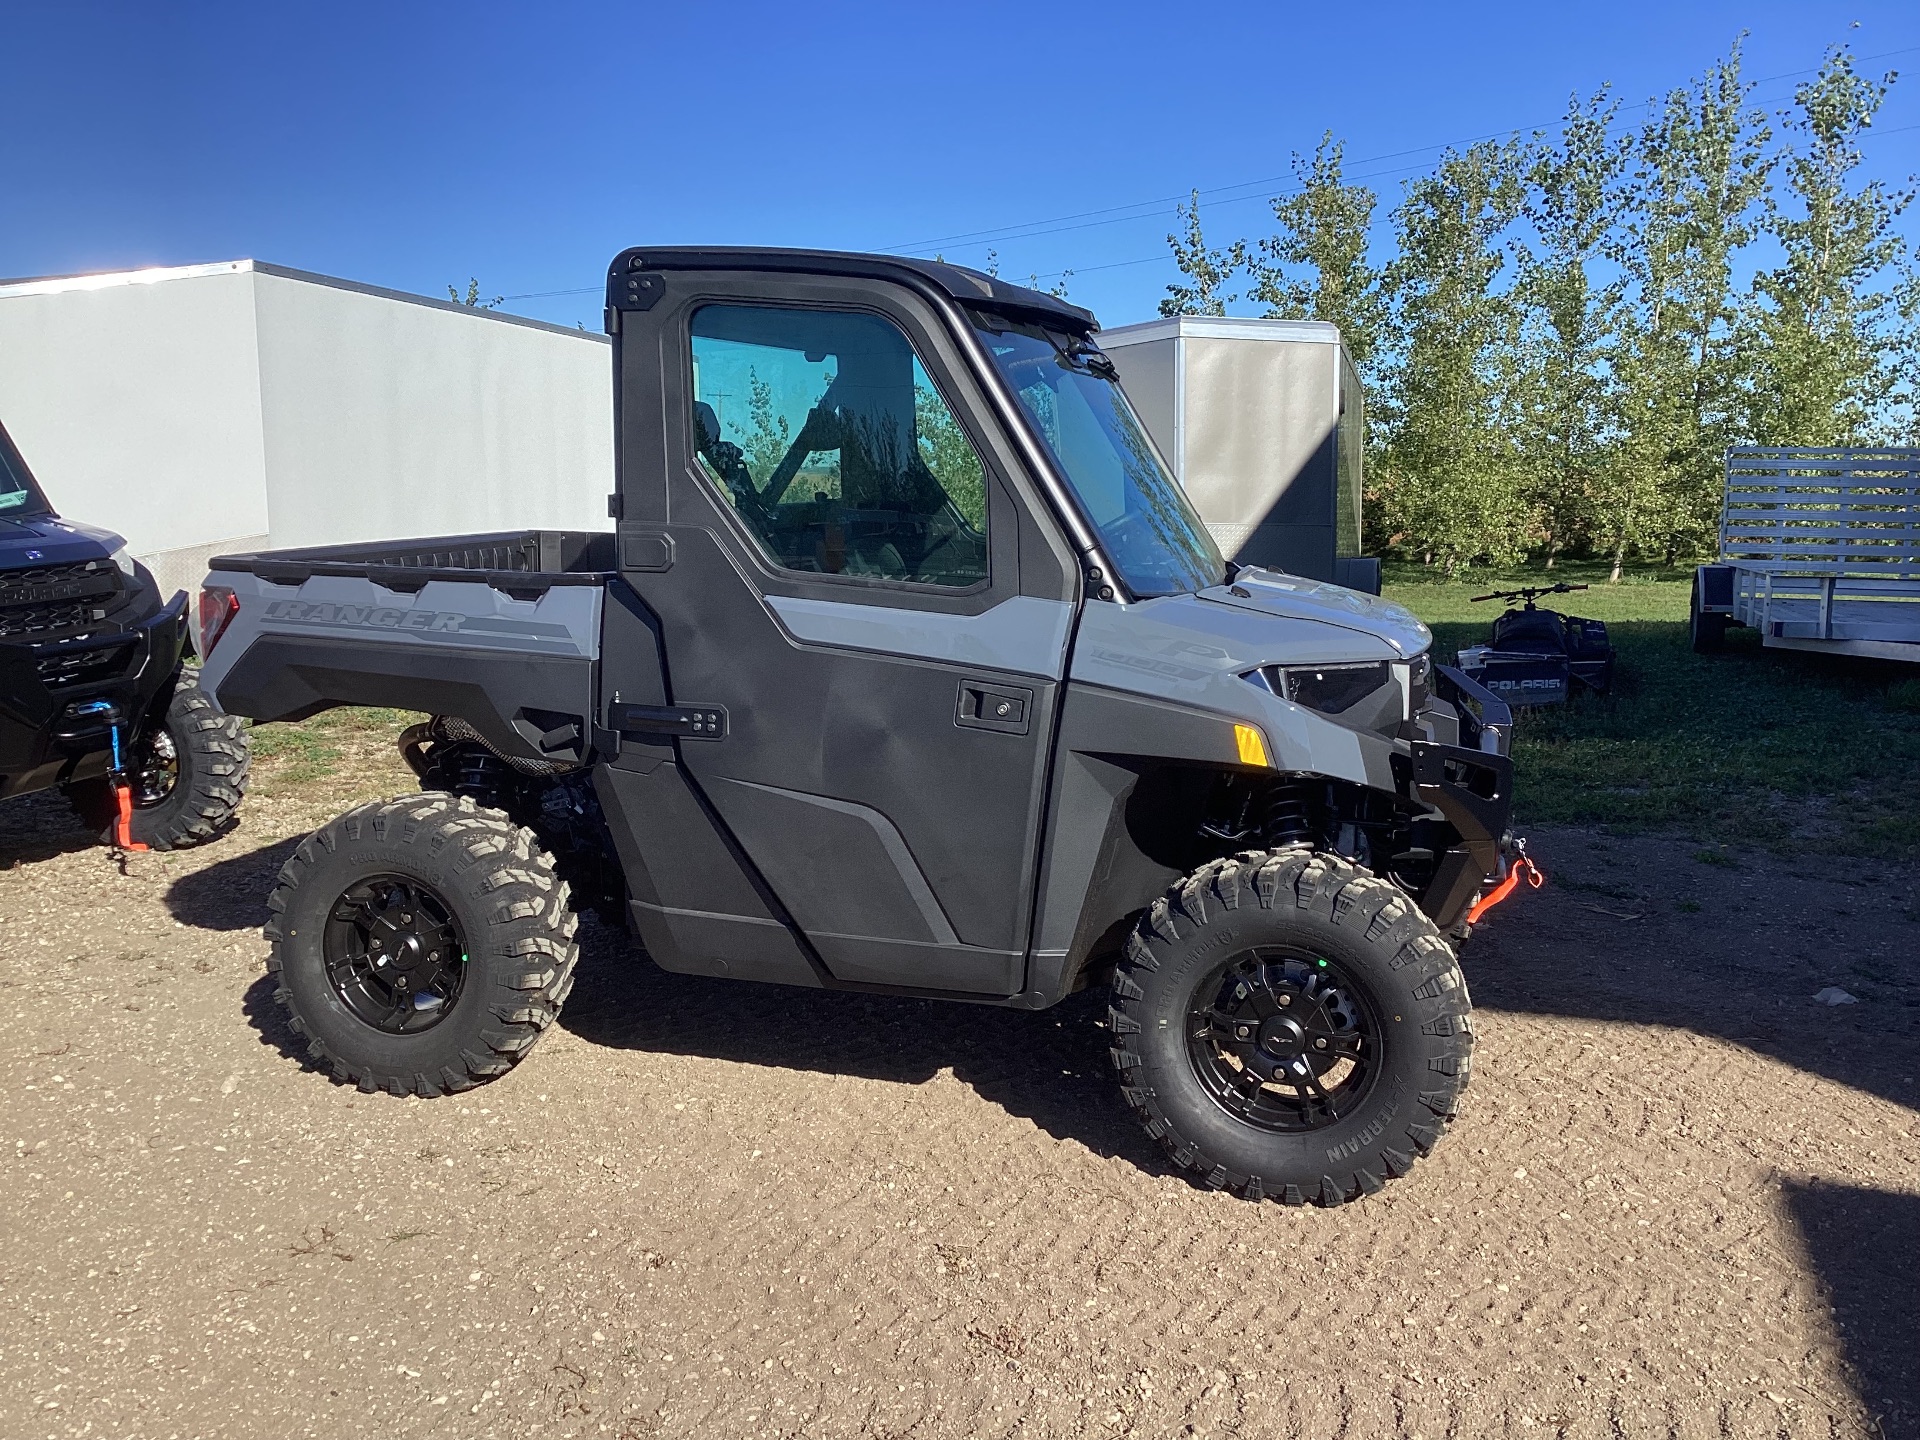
x,y
1682,1199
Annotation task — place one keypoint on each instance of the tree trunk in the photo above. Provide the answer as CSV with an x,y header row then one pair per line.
x,y
1619,558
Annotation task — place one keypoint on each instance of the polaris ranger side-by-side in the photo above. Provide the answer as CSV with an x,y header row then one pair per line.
x,y
906,668
93,696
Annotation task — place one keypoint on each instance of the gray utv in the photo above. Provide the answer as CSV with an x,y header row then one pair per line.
x,y
906,668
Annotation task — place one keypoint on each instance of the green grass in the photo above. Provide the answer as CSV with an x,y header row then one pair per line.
x,y
1774,747
309,750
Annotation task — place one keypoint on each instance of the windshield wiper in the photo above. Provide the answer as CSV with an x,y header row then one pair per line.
x,y
1087,362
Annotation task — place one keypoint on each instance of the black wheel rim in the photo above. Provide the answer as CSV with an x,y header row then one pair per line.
x,y
156,769
395,954
1284,1040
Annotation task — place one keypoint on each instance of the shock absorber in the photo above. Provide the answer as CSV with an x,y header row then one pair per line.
x,y
1287,817
471,770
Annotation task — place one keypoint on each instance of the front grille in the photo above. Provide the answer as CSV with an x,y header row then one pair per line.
x,y
44,622
55,602
65,668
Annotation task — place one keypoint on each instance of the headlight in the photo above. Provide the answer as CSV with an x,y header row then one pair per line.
x,y
121,558
1330,689
1366,695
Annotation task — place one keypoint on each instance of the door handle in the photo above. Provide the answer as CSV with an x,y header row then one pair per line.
x,y
985,706
689,722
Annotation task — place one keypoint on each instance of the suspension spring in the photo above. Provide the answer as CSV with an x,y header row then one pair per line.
x,y
472,770
1288,815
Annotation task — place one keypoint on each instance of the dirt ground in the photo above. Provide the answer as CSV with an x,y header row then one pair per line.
x,y
1682,1198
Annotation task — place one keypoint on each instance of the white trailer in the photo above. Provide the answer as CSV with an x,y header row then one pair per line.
x,y
238,406
1264,425
1819,550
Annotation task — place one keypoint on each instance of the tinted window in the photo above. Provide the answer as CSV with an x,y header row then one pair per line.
x,y
827,436
17,490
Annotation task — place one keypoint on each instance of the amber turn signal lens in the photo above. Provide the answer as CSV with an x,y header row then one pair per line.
x,y
1253,745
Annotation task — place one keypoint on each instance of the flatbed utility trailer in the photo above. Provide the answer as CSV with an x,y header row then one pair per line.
x,y
1819,550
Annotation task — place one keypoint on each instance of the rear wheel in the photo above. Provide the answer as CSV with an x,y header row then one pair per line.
x,y
187,773
1289,1026
1707,631
422,945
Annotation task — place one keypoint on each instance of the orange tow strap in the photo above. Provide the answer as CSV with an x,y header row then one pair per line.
x,y
1535,877
123,827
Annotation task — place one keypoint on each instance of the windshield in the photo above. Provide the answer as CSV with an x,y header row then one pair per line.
x,y
17,490
1071,396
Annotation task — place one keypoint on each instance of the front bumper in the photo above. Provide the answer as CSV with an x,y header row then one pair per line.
x,y
1471,785
59,702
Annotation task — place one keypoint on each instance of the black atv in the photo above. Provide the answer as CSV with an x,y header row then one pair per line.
x,y
94,697
1537,657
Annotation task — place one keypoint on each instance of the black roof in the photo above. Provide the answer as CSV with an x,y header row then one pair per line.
x,y
969,287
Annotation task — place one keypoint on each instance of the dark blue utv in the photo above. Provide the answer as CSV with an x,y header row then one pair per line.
x,y
93,695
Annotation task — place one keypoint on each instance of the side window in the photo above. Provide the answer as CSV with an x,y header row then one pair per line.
x,y
827,436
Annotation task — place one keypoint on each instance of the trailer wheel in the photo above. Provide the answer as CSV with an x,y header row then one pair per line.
x,y
1706,630
422,944
1290,1027
187,774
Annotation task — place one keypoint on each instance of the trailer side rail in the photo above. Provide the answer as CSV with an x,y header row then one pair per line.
x,y
1852,512
1820,549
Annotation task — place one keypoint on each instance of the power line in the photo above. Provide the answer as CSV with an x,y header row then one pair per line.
x,y
1869,134
1113,214
1058,224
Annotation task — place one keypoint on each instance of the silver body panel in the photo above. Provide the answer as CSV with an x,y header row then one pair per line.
x,y
443,615
1022,635
1194,653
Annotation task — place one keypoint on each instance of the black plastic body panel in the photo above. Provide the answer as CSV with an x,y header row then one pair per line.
x,y
695,899
289,677
132,669
1113,843
1474,790
518,562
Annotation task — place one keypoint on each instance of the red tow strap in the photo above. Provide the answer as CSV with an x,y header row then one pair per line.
x,y
123,826
1521,865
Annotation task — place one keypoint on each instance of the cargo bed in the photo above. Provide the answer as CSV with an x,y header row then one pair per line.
x,y
501,628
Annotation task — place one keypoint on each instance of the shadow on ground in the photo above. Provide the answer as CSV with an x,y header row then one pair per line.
x,y
1741,975
1604,941
38,827
230,894
1048,1066
1865,1246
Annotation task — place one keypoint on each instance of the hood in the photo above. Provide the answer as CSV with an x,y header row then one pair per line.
x,y
1292,597
29,540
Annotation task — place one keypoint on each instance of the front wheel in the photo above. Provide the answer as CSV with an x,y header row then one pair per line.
x,y
187,773
1289,1026
421,945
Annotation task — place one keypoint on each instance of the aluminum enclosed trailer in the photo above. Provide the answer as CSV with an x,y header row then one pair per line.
x,y
237,405
1819,550
1263,423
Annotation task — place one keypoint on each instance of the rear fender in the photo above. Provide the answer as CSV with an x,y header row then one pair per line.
x,y
519,671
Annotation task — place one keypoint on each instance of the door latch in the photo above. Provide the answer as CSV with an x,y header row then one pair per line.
x,y
689,722
984,706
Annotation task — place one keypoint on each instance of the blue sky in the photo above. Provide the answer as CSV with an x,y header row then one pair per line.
x,y
416,145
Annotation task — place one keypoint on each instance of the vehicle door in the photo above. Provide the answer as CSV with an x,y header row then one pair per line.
x,y
854,584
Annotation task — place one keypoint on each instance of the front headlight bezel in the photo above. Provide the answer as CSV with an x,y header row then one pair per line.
x,y
1401,690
